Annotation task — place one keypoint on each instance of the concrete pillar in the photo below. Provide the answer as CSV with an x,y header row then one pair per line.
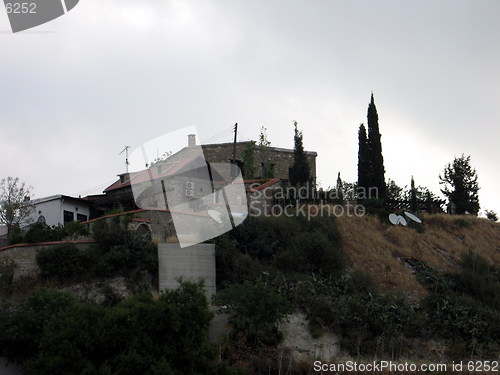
x,y
193,263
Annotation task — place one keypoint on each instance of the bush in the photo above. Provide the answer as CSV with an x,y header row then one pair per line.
x,y
52,334
464,307
40,232
289,244
119,252
491,215
477,279
256,310
15,235
7,267
65,262
262,237
461,318
310,252
21,327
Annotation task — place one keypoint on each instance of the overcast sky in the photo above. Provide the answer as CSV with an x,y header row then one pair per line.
x,y
110,73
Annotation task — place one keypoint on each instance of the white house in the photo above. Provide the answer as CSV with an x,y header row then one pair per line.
x,y
60,209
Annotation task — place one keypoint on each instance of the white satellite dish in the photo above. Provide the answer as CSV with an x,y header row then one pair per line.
x,y
216,215
397,219
393,218
402,221
410,216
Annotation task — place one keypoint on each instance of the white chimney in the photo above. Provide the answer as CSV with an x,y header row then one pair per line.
x,y
191,140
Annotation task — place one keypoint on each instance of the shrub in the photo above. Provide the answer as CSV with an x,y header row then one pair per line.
x,y
289,244
256,310
40,232
462,318
310,252
7,267
64,262
50,333
119,252
462,223
262,237
109,232
491,215
15,235
21,327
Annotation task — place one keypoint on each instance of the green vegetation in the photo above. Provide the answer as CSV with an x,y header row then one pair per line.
x,y
248,159
16,207
255,309
303,262
40,232
464,307
491,215
118,252
265,160
300,171
460,185
370,160
7,267
52,333
291,245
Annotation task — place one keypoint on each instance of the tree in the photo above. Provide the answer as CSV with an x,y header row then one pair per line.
x,y
340,189
263,147
256,310
413,195
248,156
364,177
375,151
394,191
371,172
491,215
300,172
460,185
15,203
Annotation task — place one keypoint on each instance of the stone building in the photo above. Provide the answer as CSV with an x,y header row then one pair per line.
x,y
280,158
120,193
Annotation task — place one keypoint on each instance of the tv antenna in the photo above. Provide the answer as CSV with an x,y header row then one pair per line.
x,y
125,150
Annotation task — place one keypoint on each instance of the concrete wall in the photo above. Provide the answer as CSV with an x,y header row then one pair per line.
x,y
192,263
25,256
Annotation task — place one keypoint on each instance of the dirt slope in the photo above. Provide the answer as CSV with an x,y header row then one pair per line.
x,y
386,252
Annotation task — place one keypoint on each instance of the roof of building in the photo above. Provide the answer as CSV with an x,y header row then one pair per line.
x,y
173,166
231,144
58,197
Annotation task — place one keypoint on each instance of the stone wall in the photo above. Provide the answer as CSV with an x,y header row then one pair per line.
x,y
24,255
281,158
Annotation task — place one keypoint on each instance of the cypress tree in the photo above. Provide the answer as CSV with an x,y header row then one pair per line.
x,y
340,189
413,195
248,156
299,172
364,178
375,151
461,186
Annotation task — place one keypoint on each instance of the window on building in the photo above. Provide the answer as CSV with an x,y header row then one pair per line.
x,y
68,216
80,217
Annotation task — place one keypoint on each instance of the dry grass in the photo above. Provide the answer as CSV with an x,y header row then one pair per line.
x,y
379,249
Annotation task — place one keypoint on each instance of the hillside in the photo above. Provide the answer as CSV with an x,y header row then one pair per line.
x,y
385,252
